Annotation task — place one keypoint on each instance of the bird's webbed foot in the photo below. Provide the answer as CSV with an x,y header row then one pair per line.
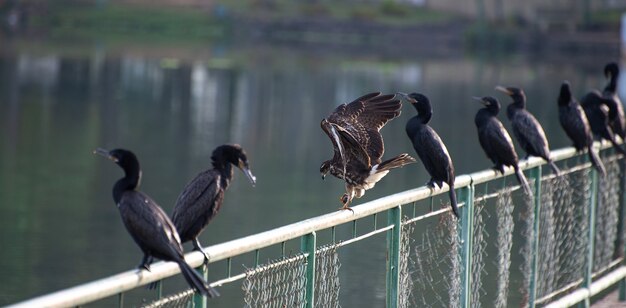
x,y
499,168
198,247
145,262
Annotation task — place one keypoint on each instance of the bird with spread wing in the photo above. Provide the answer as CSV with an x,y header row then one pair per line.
x,y
354,130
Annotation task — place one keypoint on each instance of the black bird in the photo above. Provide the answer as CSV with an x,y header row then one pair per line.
x,y
202,198
576,126
526,128
496,141
147,223
597,111
429,147
354,130
617,119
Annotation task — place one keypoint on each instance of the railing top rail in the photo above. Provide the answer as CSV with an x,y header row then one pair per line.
x,y
128,280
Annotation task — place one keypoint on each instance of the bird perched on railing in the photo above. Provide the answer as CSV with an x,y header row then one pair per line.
x,y
597,111
202,197
617,119
526,128
429,147
496,141
576,126
354,130
147,223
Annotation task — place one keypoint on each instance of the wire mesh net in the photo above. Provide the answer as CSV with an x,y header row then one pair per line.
x,y
277,284
563,231
607,215
433,266
505,225
327,277
179,300
479,245
406,281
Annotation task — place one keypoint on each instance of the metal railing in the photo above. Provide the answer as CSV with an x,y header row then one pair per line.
x,y
398,208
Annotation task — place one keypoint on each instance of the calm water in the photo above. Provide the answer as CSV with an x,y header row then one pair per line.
x,y
58,222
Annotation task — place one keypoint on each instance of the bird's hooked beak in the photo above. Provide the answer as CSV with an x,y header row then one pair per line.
x,y
105,153
323,176
246,170
504,90
406,97
480,100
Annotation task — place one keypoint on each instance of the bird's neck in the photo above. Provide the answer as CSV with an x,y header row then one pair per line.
x,y
129,182
226,171
424,117
611,87
519,102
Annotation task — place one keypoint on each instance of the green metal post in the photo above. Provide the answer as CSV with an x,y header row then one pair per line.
x,y
200,301
535,173
394,217
467,235
592,232
307,245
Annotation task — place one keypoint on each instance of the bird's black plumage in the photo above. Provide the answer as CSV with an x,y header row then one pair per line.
x,y
597,112
496,141
429,147
202,197
354,130
526,129
576,126
147,223
617,119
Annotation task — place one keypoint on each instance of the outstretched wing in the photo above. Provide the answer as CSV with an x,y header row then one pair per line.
x,y
361,121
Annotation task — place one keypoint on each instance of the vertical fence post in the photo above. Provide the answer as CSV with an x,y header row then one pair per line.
x,y
467,235
535,173
591,236
200,301
394,217
308,245
622,220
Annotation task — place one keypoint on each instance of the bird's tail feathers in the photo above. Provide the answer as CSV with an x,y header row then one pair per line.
x,y
596,161
617,146
522,180
395,162
453,202
555,169
194,279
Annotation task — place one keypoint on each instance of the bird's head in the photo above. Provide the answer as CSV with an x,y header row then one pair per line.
x,y
491,103
123,158
565,94
419,101
611,70
235,155
325,168
515,93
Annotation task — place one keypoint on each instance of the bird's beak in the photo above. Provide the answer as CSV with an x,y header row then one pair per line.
x,y
323,176
105,153
246,170
406,97
504,90
480,100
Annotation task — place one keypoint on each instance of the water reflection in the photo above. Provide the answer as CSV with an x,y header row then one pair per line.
x,y
59,223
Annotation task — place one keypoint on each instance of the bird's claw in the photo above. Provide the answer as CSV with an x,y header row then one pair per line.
x,y
144,267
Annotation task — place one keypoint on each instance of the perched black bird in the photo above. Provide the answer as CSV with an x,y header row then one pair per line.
x,y
617,119
496,141
147,223
354,130
576,126
429,147
526,128
597,111
202,198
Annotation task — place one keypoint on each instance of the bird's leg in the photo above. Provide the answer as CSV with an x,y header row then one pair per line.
x,y
198,247
345,200
145,262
